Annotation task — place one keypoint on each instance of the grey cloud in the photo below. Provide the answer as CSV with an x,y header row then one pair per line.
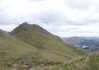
x,y
36,0
57,22
52,17
55,17
80,4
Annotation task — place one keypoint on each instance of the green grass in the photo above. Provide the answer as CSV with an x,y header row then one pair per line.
x,y
93,63
48,45
14,47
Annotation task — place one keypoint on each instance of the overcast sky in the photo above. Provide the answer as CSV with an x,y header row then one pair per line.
x,y
64,18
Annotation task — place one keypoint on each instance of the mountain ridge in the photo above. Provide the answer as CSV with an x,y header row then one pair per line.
x,y
89,43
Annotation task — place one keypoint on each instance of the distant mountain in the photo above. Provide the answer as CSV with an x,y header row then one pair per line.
x,y
12,50
74,40
91,43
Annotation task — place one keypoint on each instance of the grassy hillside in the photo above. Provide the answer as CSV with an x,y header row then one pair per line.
x,y
12,50
48,44
30,46
93,62
13,46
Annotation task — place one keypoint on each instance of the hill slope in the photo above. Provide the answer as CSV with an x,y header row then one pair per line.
x,y
49,45
12,50
32,46
93,62
13,46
